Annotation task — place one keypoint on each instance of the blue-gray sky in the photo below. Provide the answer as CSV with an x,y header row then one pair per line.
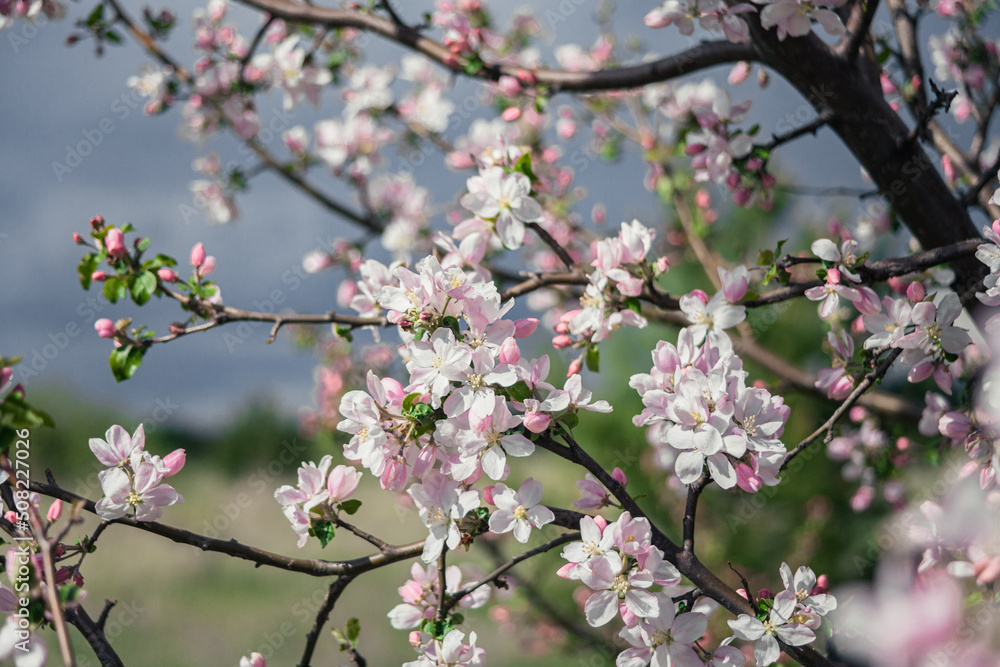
x,y
139,170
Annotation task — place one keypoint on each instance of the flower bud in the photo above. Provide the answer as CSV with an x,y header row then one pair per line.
x,y
525,327
55,510
536,422
509,86
105,328
739,73
915,292
97,222
575,367
167,275
765,594
511,114
6,373
174,461
208,266
561,341
78,239
99,276
115,243
509,352
619,476
747,479
197,255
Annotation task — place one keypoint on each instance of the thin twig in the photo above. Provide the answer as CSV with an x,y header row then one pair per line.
x,y
332,593
94,634
827,427
691,508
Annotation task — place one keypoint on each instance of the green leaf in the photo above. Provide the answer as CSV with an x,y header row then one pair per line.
x,y
114,289
143,245
95,16
593,358
352,629
408,401
519,391
86,268
633,304
125,361
323,530
570,420
143,286
350,506
112,37
22,414
523,165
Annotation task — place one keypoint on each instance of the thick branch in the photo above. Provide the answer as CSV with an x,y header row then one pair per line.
x,y
696,58
94,634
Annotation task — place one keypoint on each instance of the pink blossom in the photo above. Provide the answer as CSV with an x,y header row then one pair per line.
x,y
174,461
342,482
55,510
519,511
166,275
115,243
117,447
142,493
197,255
105,328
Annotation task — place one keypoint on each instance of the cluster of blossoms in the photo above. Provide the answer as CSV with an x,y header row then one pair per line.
x,y
791,616
699,407
30,10
711,15
866,449
319,496
421,595
619,563
133,482
932,600
620,270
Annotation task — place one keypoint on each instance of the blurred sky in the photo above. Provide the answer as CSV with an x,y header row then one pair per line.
x,y
139,171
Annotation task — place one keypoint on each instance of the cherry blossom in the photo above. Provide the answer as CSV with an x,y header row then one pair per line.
x,y
519,511
779,625
504,199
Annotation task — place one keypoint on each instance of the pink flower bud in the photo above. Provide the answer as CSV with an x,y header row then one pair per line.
x,y
574,368
700,294
97,222
174,461
167,275
741,196
197,255
509,352
768,180
733,180
536,422
394,476
897,284
765,594
105,328
954,425
833,276
488,494
915,292
177,328
742,593
78,239
663,264
822,583
55,510
948,168
99,276
862,499
115,243
561,341
414,638
509,86
739,73
526,77
510,114
525,327
6,373
747,479
694,149
207,266
619,476
599,214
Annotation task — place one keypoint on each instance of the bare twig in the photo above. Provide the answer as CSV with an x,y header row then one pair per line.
x,y
94,634
332,594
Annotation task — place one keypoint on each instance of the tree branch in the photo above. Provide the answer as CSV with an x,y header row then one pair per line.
x,y
313,567
94,634
332,594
